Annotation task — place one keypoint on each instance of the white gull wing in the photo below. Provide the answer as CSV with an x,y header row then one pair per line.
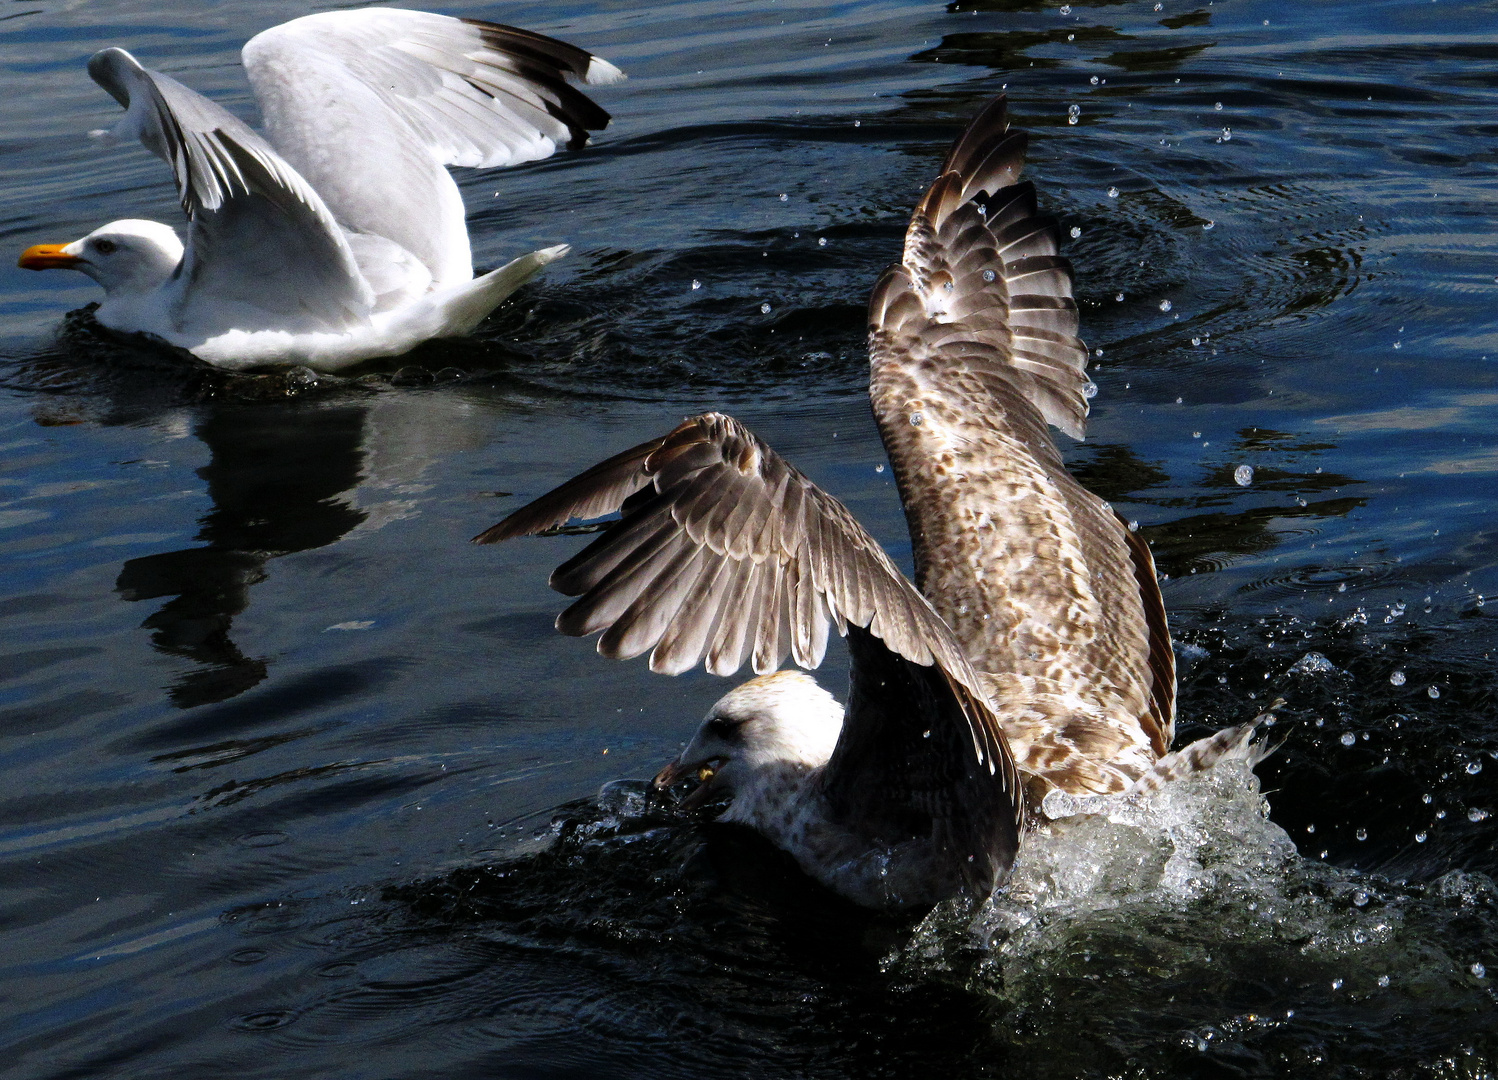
x,y
263,252
973,349
726,553
369,106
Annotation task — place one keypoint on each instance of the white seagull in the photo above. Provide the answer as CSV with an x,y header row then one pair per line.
x,y
1030,656
339,236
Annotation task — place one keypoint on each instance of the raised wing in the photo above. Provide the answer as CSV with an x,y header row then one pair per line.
x,y
371,104
261,243
726,553
973,350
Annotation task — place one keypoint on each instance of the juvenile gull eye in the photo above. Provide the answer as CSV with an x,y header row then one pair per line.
x,y
723,727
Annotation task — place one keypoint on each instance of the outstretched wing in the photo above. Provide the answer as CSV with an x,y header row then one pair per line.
x,y
261,243
973,351
370,104
727,553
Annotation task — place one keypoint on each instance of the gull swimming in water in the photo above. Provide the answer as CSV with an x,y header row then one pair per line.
x,y
1029,657
339,236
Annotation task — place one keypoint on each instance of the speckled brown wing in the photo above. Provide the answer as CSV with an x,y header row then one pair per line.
x,y
973,351
726,553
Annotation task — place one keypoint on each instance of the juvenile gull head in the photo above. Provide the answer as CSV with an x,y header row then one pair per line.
x,y
770,726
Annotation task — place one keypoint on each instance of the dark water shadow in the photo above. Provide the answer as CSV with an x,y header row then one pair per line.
x,y
276,477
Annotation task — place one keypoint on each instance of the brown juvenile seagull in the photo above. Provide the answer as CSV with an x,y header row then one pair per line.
x,y
1031,653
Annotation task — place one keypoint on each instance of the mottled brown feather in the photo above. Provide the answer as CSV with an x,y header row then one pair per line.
x,y
726,553
973,351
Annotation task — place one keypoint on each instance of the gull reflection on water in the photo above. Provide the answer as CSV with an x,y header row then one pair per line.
x,y
283,478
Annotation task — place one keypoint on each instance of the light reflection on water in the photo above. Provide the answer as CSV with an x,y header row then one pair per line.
x,y
265,711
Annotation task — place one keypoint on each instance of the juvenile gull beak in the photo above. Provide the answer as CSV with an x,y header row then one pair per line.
x,y
705,772
48,257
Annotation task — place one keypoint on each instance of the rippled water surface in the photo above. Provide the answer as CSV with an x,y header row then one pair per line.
x,y
298,783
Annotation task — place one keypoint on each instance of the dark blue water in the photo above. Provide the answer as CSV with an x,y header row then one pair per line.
x,y
297,783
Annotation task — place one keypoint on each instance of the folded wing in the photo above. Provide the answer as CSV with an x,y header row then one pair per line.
x,y
726,553
261,243
371,104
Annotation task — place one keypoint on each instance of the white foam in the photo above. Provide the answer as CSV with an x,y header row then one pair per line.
x,y
1179,876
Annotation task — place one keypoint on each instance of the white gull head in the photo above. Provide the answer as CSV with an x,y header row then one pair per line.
x,y
761,731
132,257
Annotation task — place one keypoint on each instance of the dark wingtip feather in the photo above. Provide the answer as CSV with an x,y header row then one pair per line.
x,y
546,60
988,126
598,491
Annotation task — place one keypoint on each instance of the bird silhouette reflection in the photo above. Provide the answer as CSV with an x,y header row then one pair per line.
x,y
277,478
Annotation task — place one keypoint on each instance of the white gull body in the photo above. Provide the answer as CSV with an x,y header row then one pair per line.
x,y
339,236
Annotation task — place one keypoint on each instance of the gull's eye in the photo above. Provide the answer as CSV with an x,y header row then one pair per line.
x,y
105,247
724,728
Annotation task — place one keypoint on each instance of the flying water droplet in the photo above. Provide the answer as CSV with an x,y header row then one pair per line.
x,y
1090,390
1218,106
784,197
1093,80
1362,834
1206,225
1196,341
1165,305
1243,475
1119,298
1076,231
1420,837
1227,136
821,241
1383,980
1348,738
696,284
1433,691
1396,679
1113,193
1473,767
1478,970
764,309
917,419
1360,898
1476,814
989,275
1336,984
1066,9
